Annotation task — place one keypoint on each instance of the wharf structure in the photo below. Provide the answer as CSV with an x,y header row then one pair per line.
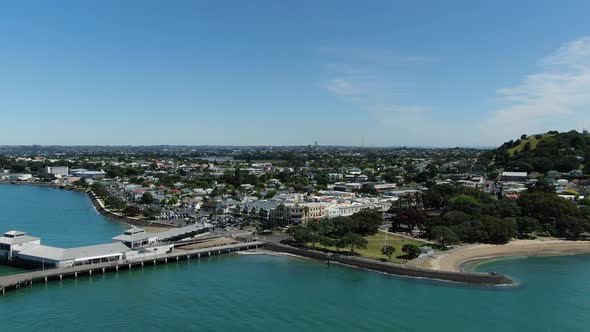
x,y
16,281
18,248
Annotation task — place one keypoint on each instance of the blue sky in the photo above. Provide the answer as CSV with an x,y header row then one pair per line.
x,y
414,73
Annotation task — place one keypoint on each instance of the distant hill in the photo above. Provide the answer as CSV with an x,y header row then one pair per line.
x,y
563,152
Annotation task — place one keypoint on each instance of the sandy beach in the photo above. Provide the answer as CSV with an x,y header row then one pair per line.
x,y
454,259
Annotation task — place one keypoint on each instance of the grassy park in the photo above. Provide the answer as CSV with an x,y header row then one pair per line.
x,y
376,242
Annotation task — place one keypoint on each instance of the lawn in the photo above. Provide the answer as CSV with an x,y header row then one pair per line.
x,y
377,241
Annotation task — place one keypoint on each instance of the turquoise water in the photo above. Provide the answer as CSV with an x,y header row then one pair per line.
x,y
59,217
267,293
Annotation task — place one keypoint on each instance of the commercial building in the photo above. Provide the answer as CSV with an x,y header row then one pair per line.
x,y
299,213
136,238
57,170
47,257
14,241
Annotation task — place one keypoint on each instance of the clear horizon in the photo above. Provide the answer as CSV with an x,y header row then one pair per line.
x,y
229,73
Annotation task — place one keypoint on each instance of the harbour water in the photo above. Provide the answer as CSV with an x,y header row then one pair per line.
x,y
262,293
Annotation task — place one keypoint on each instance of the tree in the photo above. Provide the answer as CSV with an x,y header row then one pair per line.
x,y
366,222
300,234
132,211
498,230
353,241
151,212
99,189
546,207
326,241
571,227
465,203
147,198
81,183
115,203
412,250
444,236
173,200
526,226
411,217
388,251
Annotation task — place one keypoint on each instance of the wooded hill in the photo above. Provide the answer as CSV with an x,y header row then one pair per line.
x,y
563,152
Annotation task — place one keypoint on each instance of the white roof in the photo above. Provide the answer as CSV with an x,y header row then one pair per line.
x,y
134,237
187,230
61,254
15,233
17,237
524,174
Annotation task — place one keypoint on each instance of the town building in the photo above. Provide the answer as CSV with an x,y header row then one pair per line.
x,y
57,170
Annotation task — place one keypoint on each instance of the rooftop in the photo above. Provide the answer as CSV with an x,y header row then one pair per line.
x,y
60,254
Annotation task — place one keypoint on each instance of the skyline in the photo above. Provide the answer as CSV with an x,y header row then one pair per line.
x,y
262,73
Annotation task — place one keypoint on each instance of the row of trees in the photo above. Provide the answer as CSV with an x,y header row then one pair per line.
x,y
340,232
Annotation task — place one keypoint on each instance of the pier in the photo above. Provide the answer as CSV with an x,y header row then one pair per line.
x,y
16,281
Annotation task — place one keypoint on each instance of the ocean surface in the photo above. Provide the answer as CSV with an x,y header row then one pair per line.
x,y
270,293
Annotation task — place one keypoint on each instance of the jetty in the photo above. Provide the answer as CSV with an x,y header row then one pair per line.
x,y
16,281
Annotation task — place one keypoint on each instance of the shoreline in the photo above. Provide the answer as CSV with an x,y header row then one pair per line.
x,y
98,206
403,270
462,259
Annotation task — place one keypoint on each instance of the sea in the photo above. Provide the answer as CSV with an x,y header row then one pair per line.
x,y
272,293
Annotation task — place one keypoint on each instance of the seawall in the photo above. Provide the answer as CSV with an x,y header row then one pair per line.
x,y
395,269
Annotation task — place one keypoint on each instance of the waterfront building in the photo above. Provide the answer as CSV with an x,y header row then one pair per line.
x,y
136,238
14,241
20,177
46,256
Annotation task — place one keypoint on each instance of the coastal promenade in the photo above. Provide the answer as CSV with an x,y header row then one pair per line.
x,y
16,281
